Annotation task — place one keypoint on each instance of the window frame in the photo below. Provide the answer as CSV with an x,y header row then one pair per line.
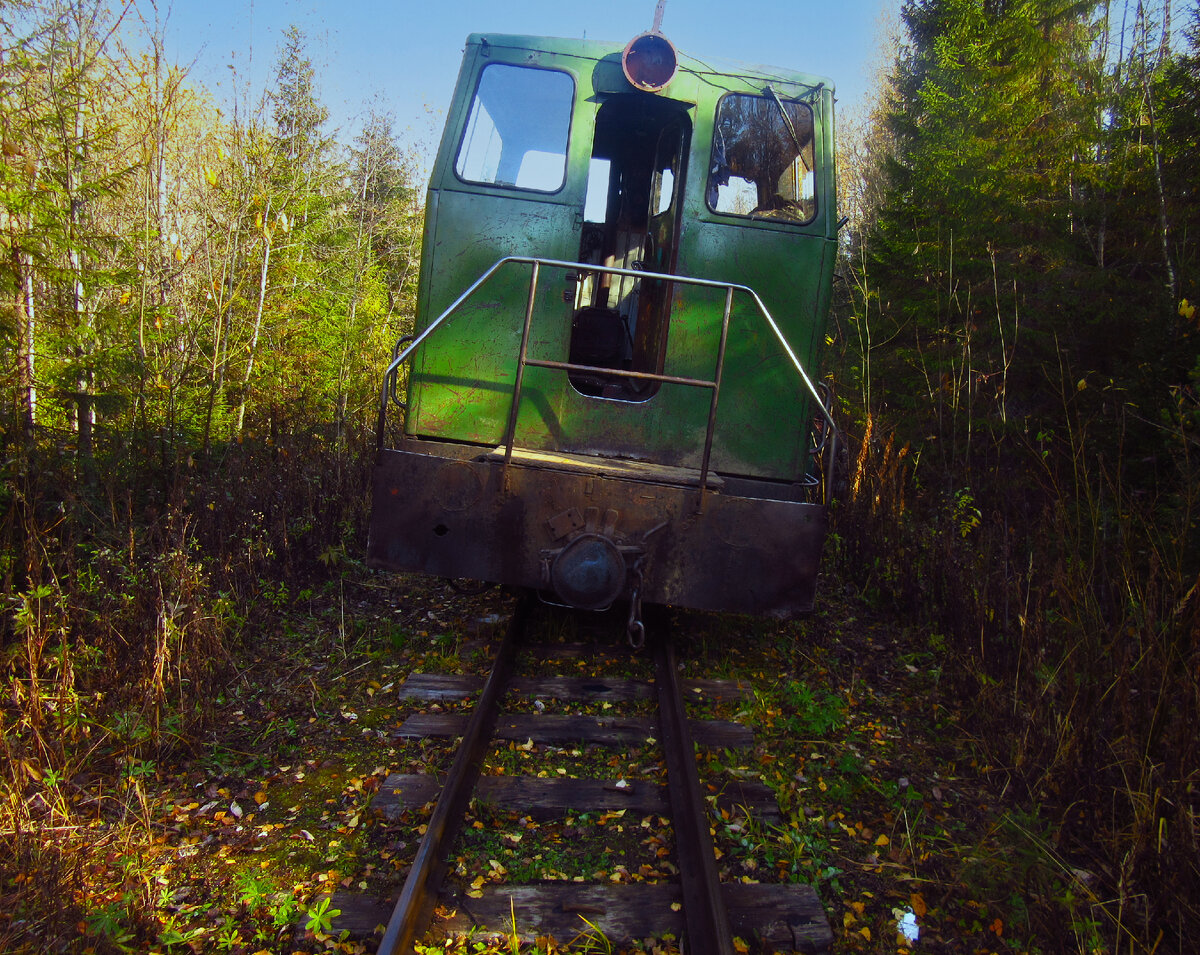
x,y
765,219
459,153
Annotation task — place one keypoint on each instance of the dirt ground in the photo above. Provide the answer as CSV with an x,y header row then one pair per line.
x,y
234,842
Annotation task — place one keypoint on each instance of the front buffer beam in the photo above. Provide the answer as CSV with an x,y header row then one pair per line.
x,y
584,535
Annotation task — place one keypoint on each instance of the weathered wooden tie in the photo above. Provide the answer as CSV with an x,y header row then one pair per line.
x,y
563,729
547,798
774,917
450,687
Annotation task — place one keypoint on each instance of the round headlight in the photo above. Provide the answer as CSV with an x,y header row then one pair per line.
x,y
649,61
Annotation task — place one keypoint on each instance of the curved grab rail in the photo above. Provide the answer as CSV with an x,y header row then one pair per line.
x,y
401,355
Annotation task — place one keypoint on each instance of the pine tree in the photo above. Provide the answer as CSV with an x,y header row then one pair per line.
x,y
974,247
386,230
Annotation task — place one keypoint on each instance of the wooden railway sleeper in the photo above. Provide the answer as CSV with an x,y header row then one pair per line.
x,y
707,922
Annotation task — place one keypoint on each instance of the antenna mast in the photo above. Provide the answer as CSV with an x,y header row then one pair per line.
x,y
658,15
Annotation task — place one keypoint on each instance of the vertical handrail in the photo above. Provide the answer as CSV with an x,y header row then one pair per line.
x,y
716,392
510,434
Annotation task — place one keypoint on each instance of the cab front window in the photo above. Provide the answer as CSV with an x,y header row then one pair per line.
x,y
516,133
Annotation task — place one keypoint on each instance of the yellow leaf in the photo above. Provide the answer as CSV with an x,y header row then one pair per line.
x,y
740,946
210,176
1187,310
882,841
178,253
865,933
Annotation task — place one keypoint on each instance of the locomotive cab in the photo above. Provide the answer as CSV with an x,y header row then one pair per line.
x,y
624,283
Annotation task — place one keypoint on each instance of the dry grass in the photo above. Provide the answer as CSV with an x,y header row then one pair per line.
x,y
1067,611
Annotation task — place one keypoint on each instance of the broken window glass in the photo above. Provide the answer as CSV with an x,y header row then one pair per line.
x,y
762,159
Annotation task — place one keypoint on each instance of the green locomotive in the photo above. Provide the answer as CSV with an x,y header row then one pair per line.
x,y
624,289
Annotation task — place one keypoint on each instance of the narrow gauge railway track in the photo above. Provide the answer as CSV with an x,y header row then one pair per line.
x,y
706,912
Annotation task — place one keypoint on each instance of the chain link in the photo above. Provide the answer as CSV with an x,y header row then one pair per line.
x,y
635,628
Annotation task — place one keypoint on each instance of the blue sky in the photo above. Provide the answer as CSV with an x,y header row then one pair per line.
x,y
402,56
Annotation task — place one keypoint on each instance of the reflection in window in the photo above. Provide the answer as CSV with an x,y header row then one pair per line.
x,y
595,206
663,190
762,159
516,134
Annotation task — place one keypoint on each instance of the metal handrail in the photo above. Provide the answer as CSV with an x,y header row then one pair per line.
x,y
402,355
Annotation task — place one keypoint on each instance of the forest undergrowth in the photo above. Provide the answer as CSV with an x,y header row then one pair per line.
x,y
1064,607
991,725
197,693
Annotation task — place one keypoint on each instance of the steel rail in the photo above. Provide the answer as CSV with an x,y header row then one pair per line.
x,y
705,917
413,911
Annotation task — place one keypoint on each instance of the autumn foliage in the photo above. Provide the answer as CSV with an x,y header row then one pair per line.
x,y
196,304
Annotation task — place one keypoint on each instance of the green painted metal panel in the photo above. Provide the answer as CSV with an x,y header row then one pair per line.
x,y
462,379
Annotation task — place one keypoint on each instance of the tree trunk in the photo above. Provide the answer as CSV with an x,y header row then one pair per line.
x,y
258,317
22,267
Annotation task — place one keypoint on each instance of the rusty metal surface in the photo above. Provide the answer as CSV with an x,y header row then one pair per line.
x,y
437,511
706,918
412,913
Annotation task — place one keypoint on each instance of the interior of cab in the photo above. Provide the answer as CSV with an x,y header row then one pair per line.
x,y
631,221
